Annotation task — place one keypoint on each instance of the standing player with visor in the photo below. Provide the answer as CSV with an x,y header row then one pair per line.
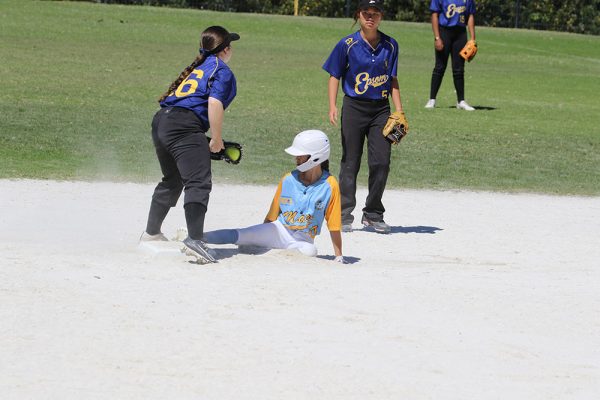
x,y
366,62
193,104
450,20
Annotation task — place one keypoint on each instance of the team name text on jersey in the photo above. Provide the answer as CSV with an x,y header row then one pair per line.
x,y
364,79
454,9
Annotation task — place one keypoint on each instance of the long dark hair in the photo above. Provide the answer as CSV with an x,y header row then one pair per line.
x,y
211,38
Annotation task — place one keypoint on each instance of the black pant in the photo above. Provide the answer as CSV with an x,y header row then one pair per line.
x,y
184,156
364,119
454,40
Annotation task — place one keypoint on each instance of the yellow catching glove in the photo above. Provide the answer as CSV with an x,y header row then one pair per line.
x,y
396,127
469,51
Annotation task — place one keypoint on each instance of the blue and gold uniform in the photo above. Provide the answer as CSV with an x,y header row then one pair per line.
x,y
304,199
453,12
302,208
179,128
452,20
366,73
212,78
295,218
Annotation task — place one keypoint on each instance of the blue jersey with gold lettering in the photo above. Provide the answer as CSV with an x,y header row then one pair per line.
x,y
453,12
302,208
212,78
366,73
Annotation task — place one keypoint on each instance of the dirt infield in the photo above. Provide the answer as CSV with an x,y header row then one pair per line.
x,y
472,296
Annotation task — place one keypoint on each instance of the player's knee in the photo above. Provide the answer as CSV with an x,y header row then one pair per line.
x,y
350,166
174,195
307,249
381,164
196,195
169,190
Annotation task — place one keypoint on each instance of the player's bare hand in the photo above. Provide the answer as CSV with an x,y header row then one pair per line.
x,y
216,145
439,45
333,114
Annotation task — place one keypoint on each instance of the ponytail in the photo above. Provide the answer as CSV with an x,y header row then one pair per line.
x,y
184,74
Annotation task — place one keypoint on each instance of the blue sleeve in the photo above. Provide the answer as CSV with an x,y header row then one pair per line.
x,y
395,59
471,7
337,61
223,86
435,6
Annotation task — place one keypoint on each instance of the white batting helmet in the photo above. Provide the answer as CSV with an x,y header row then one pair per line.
x,y
313,143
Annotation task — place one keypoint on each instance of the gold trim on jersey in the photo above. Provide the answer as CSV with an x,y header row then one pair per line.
x,y
391,45
350,45
214,70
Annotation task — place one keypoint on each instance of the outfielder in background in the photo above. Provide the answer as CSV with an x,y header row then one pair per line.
x,y
193,104
304,198
449,21
366,63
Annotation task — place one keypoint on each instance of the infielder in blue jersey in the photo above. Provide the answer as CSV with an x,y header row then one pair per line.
x,y
193,104
304,200
366,62
449,21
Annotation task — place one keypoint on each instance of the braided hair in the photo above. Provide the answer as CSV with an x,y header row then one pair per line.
x,y
211,38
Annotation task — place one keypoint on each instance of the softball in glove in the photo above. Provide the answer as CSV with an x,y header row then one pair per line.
x,y
232,153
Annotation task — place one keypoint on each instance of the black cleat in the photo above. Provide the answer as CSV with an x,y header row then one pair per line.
x,y
198,249
377,226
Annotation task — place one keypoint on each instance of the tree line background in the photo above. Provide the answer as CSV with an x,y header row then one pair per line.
x,y
578,16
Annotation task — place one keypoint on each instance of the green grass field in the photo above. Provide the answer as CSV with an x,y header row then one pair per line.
x,y
80,82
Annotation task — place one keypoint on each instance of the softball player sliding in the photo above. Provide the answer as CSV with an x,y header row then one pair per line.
x,y
366,62
304,198
193,103
448,21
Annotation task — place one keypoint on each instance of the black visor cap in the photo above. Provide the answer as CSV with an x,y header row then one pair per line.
x,y
230,38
